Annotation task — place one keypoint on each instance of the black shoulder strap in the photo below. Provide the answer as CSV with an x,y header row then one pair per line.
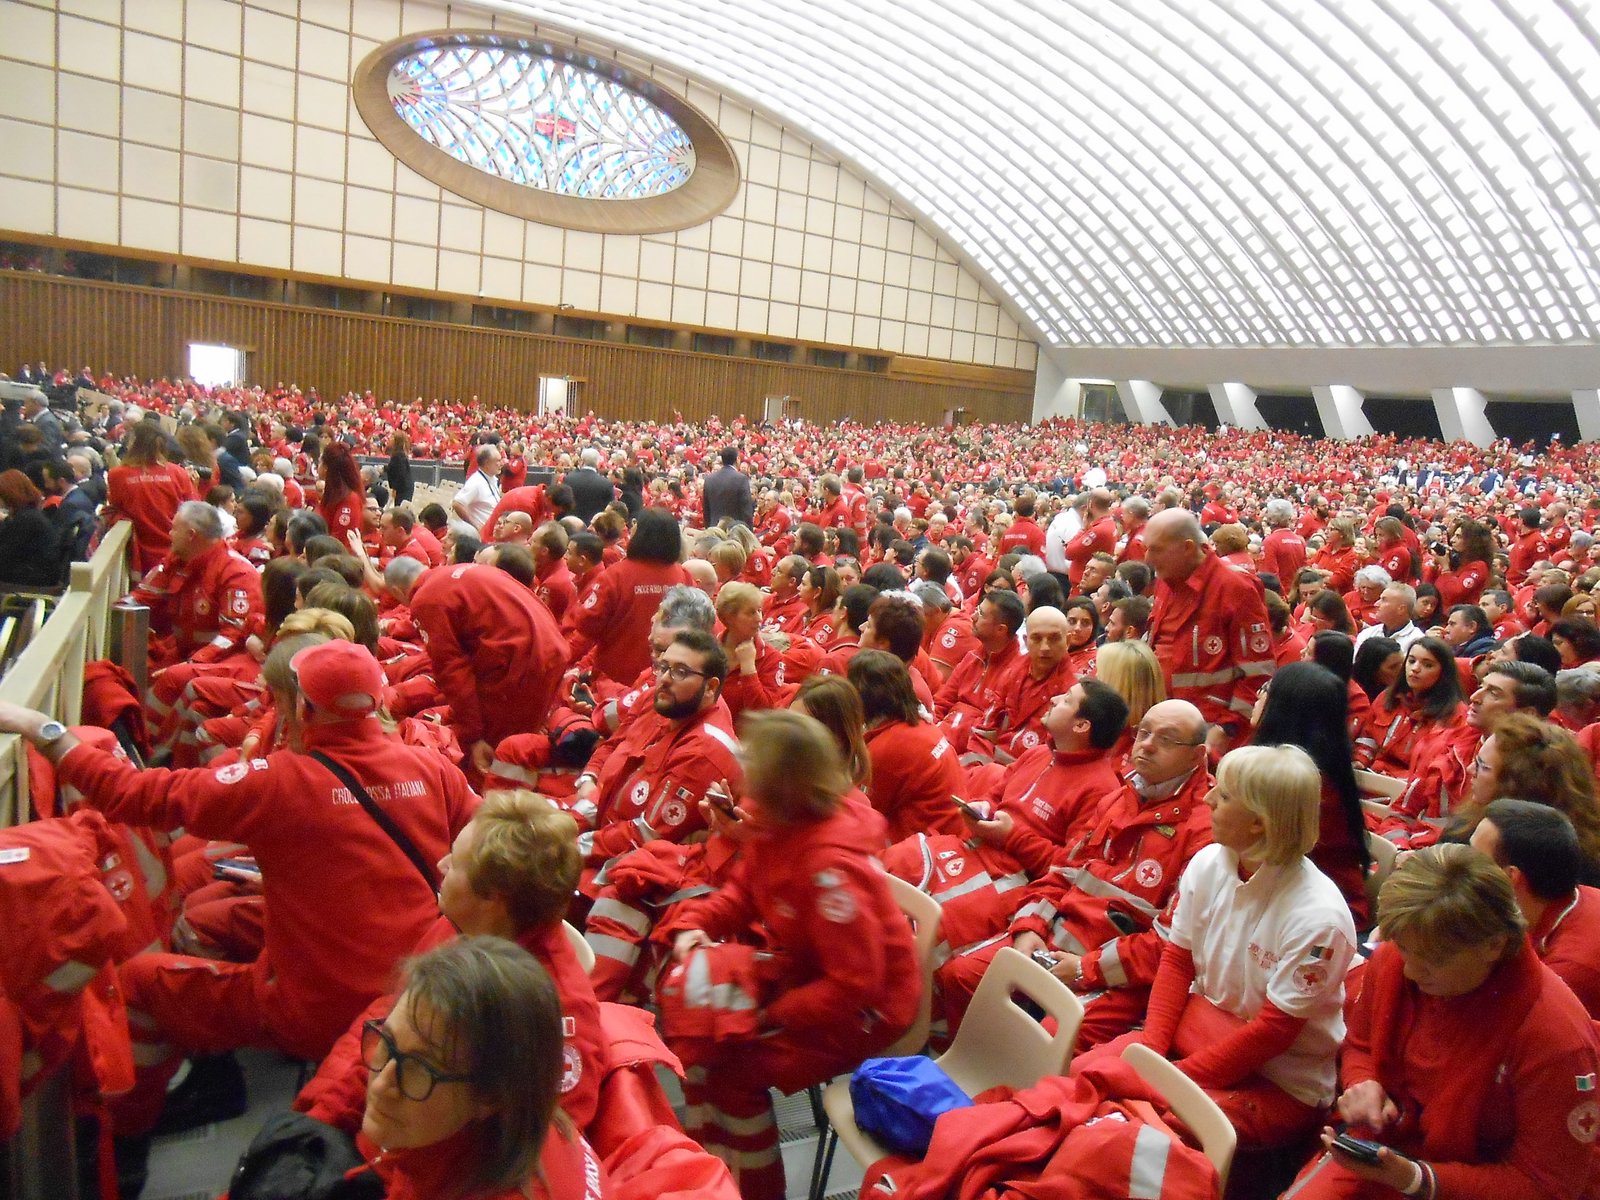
x,y
384,820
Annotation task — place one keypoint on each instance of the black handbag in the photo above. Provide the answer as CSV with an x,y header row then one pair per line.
x,y
296,1157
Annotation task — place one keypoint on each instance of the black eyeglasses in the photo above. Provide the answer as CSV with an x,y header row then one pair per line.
x,y
415,1075
676,672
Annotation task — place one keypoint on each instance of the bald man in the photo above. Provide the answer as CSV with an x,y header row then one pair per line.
x,y
1092,915
1208,626
1014,723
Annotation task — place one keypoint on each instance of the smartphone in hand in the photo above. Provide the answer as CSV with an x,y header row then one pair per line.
x,y
1359,1149
722,802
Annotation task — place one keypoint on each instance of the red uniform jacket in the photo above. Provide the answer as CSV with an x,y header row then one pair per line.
x,y
496,651
651,785
1567,938
1512,1112
615,617
531,500
951,643
208,604
1102,901
846,949
1048,793
1023,536
343,516
567,1169
1525,551
337,1094
916,773
972,573
1015,722
1211,635
787,615
1283,553
149,497
554,587
343,904
253,550
1341,567
1464,586
1398,562
835,516
972,689
1132,547
745,693
1101,537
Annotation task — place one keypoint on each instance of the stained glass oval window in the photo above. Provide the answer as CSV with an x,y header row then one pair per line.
x,y
547,132
541,122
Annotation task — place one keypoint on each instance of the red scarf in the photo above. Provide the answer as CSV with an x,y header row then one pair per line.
x,y
1480,1025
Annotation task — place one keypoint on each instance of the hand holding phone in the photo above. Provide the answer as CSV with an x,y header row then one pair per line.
x,y
717,796
974,814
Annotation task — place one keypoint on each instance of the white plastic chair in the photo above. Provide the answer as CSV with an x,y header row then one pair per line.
x,y
924,914
1190,1104
1375,783
580,947
997,1044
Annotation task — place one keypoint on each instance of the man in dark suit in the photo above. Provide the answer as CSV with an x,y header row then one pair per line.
x,y
727,493
591,491
74,512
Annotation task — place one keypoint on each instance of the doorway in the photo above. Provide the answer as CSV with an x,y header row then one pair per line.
x,y
213,365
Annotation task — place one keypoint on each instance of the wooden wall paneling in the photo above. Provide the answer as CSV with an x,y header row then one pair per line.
x,y
144,331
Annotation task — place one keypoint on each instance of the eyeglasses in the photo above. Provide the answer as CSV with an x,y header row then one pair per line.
x,y
413,1074
676,672
1166,741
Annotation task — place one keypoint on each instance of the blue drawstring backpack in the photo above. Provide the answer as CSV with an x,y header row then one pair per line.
x,y
897,1101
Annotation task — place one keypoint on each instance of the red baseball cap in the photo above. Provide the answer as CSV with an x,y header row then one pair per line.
x,y
339,677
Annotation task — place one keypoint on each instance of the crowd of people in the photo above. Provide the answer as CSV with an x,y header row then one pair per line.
x,y
1109,695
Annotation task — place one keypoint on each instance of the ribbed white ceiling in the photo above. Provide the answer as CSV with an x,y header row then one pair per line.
x,y
1184,173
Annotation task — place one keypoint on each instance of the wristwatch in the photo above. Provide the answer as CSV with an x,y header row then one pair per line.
x,y
51,731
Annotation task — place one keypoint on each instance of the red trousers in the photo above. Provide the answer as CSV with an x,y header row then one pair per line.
x,y
179,1005
728,1107
1262,1113
1108,1014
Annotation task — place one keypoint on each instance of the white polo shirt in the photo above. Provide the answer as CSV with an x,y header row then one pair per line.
x,y
1283,935
479,495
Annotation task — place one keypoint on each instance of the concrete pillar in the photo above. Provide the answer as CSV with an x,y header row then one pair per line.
x,y
1339,406
1462,416
1586,403
1236,405
1054,395
1141,400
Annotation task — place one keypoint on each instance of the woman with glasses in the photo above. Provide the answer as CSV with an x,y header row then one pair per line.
x,y
835,981
1248,998
464,1077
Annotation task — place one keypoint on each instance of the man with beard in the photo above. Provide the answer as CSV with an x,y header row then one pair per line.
x,y
651,785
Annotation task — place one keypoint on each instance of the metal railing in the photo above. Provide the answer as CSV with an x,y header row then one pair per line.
x,y
88,623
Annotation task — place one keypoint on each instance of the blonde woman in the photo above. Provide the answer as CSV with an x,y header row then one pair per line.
x,y
1248,999
754,668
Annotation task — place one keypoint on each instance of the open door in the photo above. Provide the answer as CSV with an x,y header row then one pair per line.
x,y
560,394
215,365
